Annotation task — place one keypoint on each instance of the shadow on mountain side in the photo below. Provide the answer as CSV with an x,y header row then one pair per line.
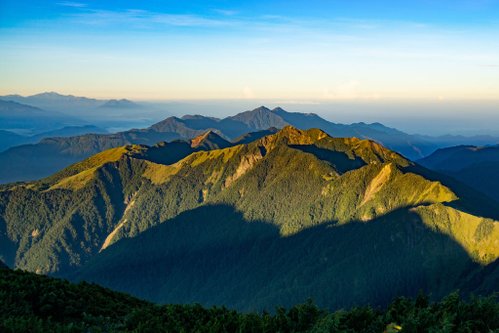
x,y
340,161
232,128
166,152
211,255
480,280
143,262
7,246
15,162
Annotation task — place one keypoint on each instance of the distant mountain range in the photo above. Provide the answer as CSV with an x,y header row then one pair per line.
x,y
16,116
475,166
69,110
273,221
30,162
67,104
119,104
10,139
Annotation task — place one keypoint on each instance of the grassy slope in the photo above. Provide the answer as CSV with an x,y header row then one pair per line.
x,y
294,180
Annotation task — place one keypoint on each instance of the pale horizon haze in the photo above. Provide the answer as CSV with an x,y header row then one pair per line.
x,y
350,61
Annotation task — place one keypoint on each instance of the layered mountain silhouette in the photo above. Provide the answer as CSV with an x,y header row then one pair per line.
x,y
475,166
57,110
57,102
10,139
274,221
30,162
14,115
119,103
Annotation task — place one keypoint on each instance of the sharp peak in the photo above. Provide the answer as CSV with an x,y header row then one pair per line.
x,y
198,140
262,108
209,132
167,120
266,109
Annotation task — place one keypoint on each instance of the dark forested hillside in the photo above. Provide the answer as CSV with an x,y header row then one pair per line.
x,y
477,167
291,215
211,255
33,303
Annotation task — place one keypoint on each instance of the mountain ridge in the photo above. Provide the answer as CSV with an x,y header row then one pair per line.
x,y
284,189
52,155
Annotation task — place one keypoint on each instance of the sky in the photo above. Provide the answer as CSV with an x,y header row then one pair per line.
x,y
293,50
303,54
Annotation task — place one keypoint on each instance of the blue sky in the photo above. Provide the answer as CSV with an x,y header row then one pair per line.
x,y
283,50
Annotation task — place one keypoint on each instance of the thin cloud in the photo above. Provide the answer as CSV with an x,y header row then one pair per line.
x,y
72,4
227,12
229,18
145,18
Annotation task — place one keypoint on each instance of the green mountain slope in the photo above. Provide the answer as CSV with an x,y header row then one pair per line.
x,y
67,214
345,210
39,160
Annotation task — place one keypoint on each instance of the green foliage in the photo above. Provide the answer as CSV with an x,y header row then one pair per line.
x,y
34,303
312,213
210,255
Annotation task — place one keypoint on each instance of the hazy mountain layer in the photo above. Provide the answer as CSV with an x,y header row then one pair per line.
x,y
477,167
9,139
104,113
40,160
32,120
